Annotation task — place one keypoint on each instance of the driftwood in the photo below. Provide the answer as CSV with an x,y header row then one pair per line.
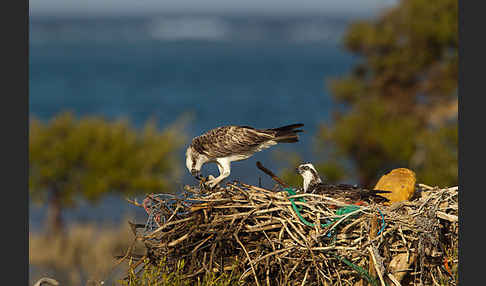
x,y
259,233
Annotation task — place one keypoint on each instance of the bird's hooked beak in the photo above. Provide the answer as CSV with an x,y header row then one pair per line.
x,y
196,174
298,170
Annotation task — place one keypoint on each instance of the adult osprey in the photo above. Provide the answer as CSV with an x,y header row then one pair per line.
x,y
226,144
350,193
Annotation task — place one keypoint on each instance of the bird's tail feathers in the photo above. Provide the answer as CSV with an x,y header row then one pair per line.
x,y
376,194
287,139
287,127
288,133
380,191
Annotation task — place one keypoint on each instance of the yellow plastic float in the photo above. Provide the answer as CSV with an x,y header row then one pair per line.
x,y
401,183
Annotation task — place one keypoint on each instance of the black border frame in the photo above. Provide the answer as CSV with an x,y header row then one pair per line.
x,y
15,85
14,119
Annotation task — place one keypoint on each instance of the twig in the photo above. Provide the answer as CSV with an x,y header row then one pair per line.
x,y
448,217
271,174
394,280
249,259
378,270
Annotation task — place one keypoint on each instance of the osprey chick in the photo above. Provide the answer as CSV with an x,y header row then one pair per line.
x,y
226,144
353,193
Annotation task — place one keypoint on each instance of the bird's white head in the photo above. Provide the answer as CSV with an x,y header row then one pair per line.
x,y
310,175
194,162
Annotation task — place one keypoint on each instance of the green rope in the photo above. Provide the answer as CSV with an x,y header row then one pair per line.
x,y
361,271
340,212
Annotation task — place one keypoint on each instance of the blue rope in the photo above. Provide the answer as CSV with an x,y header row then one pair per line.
x,y
169,201
383,223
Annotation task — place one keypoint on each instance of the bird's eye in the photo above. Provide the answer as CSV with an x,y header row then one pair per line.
x,y
305,168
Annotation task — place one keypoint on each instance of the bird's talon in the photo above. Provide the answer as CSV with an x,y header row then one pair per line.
x,y
203,183
210,185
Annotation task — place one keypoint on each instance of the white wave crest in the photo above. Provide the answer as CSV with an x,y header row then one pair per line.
x,y
184,28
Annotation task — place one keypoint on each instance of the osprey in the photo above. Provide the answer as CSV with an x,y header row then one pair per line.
x,y
226,144
353,193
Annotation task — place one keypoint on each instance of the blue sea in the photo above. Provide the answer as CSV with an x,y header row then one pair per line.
x,y
250,70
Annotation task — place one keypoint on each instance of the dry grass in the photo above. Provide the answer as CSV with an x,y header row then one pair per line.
x,y
84,256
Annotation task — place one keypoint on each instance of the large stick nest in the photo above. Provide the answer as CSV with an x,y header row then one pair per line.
x,y
257,232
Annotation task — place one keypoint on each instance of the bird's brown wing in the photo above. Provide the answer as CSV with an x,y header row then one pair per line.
x,y
229,140
350,192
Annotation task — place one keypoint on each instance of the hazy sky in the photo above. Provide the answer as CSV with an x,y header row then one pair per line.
x,y
341,7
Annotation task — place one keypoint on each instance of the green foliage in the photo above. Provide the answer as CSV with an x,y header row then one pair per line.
x,y
410,48
90,157
400,101
372,138
162,275
436,157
